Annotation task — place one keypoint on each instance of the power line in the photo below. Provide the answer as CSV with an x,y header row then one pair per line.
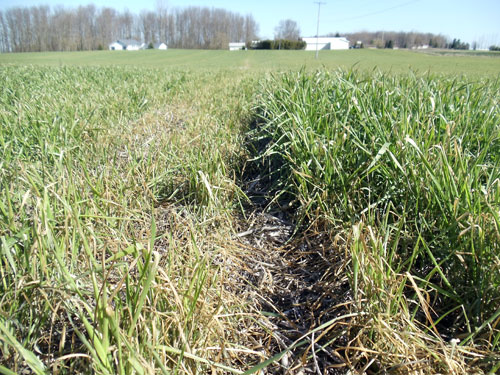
x,y
378,11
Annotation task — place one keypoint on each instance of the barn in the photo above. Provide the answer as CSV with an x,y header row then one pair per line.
x,y
326,43
126,44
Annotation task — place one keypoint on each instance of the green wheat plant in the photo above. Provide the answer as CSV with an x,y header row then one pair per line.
x,y
91,280
407,166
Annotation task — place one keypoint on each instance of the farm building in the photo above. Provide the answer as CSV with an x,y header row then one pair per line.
x,y
236,46
162,46
326,43
126,44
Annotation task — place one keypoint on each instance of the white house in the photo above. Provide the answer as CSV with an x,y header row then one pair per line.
x,y
162,46
236,46
126,44
326,43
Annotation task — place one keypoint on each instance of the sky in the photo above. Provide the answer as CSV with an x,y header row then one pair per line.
x,y
468,20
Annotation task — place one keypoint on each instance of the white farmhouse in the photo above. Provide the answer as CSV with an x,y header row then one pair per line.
x,y
126,44
326,43
236,46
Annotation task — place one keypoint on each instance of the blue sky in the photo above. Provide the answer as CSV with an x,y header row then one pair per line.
x,y
468,20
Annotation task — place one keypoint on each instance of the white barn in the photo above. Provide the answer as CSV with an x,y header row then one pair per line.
x,y
126,44
237,46
326,43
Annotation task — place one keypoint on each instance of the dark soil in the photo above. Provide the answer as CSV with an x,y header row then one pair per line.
x,y
298,283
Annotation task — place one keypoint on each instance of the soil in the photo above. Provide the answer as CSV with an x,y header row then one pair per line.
x,y
298,282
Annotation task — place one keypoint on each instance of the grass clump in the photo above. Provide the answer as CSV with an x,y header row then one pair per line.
x,y
407,168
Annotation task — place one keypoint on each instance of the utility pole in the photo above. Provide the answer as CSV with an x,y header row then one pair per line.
x,y
317,26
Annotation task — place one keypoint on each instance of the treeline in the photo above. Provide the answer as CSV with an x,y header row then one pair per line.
x,y
393,39
457,44
42,28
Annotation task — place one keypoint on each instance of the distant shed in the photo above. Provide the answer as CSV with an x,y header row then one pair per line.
x,y
161,46
326,43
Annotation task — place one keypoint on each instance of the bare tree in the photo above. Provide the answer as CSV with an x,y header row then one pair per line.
x,y
162,19
125,25
10,20
148,23
251,28
4,35
287,29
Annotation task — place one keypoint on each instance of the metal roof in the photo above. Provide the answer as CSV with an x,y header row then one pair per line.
x,y
129,42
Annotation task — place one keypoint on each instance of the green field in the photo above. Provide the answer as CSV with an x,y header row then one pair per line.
x,y
398,61
144,198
